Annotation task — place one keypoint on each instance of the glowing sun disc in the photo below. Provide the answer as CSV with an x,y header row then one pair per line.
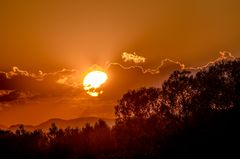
x,y
93,81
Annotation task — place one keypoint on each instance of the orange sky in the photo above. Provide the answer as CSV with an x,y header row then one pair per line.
x,y
53,35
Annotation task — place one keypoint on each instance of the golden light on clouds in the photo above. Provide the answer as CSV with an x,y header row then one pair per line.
x,y
93,81
133,57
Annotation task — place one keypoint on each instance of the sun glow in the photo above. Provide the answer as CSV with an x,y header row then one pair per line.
x,y
93,81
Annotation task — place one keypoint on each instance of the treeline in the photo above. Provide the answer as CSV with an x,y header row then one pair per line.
x,y
195,114
88,142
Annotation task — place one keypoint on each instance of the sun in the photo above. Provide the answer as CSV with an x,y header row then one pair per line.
x,y
93,81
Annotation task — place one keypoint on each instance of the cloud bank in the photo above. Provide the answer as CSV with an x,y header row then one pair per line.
x,y
19,86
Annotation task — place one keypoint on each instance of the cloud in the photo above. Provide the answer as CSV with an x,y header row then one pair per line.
x,y
17,72
9,95
133,57
15,96
223,56
21,86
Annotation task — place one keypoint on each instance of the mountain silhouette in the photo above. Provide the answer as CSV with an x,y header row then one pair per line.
x,y
60,123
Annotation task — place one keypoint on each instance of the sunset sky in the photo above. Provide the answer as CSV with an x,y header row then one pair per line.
x,y
47,47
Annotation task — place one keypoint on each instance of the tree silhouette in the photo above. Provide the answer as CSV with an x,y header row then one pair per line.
x,y
189,103
137,104
177,93
218,85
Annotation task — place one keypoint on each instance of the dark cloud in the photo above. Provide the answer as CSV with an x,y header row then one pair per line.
x,y
9,96
21,85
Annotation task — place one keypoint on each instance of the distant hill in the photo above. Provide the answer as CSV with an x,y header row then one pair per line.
x,y
61,123
3,127
78,122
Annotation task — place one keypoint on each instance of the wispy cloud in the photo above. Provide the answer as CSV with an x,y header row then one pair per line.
x,y
223,55
133,57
